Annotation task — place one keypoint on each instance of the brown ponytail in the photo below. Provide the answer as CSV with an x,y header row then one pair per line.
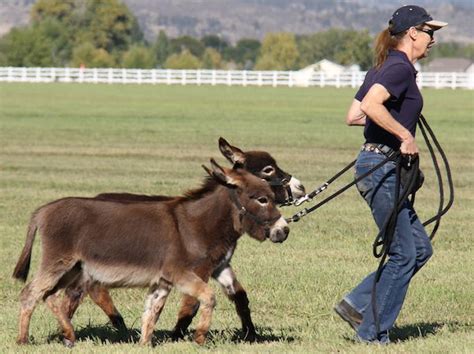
x,y
383,43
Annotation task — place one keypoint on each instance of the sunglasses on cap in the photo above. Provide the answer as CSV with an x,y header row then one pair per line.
x,y
429,32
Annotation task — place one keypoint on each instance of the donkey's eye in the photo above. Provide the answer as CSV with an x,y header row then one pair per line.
x,y
268,170
262,200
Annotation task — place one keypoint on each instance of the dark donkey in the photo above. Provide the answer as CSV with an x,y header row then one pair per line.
x,y
259,163
159,245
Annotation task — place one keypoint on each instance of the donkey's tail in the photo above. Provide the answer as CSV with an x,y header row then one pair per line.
x,y
23,265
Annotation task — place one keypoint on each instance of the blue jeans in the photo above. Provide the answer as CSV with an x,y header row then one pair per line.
x,y
409,251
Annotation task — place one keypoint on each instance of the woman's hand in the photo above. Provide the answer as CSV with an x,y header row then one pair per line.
x,y
408,146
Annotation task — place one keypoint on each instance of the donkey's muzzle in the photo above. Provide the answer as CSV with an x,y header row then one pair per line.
x,y
297,188
280,230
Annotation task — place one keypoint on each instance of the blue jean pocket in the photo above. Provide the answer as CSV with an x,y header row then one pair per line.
x,y
364,186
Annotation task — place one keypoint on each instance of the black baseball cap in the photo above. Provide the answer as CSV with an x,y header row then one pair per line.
x,y
410,16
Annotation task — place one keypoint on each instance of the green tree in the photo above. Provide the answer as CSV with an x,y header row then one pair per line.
x,y
27,47
139,57
357,50
90,56
211,59
267,62
194,46
216,42
162,48
110,25
59,29
278,52
343,46
61,10
452,50
247,51
183,60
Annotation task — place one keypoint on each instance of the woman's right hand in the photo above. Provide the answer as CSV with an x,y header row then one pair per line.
x,y
409,147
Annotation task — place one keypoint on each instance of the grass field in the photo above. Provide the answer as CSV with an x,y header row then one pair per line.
x,y
65,139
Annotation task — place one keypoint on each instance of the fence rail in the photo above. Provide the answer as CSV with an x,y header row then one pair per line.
x,y
219,77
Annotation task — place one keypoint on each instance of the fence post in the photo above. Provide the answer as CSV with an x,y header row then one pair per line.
x,y
454,80
183,77
213,78
124,76
244,78
10,74
274,79
322,79
229,78
260,83
338,80
290,79
139,76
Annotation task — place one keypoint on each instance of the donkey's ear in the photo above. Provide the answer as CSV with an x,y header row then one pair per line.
x,y
223,175
231,153
209,172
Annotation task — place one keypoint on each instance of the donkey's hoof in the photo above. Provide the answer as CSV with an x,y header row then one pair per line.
x,y
68,343
200,338
144,342
250,337
118,322
177,335
22,341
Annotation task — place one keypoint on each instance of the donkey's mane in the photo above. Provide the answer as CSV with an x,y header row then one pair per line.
x,y
208,185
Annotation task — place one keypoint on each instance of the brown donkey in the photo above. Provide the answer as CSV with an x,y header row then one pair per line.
x,y
159,245
259,163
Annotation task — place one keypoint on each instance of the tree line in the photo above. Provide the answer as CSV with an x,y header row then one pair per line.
x,y
105,33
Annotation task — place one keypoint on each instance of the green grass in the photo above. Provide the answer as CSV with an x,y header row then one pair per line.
x,y
66,139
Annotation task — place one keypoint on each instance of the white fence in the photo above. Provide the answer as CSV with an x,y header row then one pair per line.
x,y
218,77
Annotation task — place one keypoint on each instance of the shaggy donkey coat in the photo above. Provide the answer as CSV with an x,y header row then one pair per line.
x,y
158,245
259,163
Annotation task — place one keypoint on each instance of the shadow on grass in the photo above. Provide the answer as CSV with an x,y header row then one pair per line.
x,y
422,329
107,334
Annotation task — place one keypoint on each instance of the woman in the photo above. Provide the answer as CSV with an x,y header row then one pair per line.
x,y
388,104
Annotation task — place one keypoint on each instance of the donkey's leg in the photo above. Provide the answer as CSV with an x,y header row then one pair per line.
x,y
73,296
153,307
43,282
101,296
236,293
64,321
188,309
192,285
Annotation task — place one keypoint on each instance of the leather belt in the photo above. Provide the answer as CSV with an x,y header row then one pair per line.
x,y
378,149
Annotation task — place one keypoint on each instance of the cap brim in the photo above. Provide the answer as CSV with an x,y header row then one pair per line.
x,y
436,24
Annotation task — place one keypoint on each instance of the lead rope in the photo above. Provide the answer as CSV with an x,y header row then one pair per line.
x,y
441,211
296,217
